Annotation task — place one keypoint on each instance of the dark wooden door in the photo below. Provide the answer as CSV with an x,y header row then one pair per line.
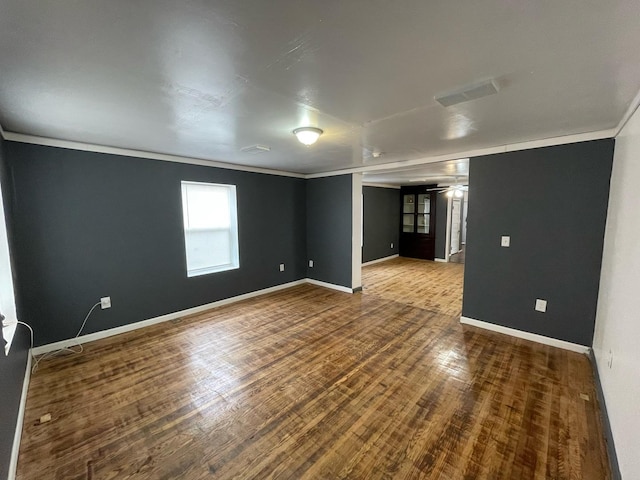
x,y
417,222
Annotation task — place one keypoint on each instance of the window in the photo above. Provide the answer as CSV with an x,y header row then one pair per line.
x,y
210,227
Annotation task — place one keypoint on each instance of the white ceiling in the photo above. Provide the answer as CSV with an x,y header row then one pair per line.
x,y
451,172
203,78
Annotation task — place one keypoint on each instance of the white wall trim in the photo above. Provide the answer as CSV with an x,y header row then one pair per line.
x,y
380,185
447,241
635,103
162,318
17,436
332,286
512,147
91,337
443,260
88,147
378,260
534,337
357,227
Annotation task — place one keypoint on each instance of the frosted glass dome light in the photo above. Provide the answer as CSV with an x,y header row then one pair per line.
x,y
307,135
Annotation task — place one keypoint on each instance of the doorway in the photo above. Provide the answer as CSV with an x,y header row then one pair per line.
x,y
457,228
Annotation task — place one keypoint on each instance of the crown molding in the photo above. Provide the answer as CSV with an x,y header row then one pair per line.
x,y
635,104
511,147
404,164
88,147
380,185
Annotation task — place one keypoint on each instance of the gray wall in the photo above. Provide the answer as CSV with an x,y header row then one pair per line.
x,y
329,229
441,225
88,225
12,367
381,222
553,203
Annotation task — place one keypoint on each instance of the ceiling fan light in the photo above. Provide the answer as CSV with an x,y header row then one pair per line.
x,y
449,193
458,193
307,135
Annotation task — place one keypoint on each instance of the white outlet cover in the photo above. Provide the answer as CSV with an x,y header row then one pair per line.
x,y
105,302
505,241
541,305
282,267
392,245
311,263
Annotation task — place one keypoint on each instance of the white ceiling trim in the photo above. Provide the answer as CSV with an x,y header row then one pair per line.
x,y
552,141
87,147
513,147
635,104
379,185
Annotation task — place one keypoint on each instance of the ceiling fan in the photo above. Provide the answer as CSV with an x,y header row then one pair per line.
x,y
455,191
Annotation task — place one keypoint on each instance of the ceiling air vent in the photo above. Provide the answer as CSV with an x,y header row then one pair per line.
x,y
469,92
253,149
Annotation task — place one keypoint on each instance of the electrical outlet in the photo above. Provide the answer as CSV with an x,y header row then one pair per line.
x,y
105,302
282,267
505,241
541,305
391,244
311,263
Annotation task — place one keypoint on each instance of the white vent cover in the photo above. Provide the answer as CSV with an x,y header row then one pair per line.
x,y
469,92
252,149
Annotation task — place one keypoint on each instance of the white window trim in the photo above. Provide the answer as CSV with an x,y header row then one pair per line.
x,y
233,232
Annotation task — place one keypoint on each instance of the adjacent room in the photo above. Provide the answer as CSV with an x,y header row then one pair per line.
x,y
308,240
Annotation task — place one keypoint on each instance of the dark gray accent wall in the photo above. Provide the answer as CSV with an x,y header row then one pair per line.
x,y
12,367
89,225
553,203
329,229
381,222
441,225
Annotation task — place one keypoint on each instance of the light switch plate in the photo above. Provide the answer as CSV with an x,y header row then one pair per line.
x,y
505,241
541,305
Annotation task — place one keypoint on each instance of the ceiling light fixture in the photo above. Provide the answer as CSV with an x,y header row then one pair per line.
x,y
455,191
307,135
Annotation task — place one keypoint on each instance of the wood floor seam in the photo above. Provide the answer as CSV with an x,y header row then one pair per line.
x,y
309,383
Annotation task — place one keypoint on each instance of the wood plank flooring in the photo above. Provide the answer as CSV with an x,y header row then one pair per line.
x,y
310,383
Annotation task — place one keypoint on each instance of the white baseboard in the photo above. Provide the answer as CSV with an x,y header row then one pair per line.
x,y
91,337
534,337
333,286
15,449
378,260
443,260
162,318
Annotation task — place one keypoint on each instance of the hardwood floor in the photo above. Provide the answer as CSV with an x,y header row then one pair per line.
x,y
427,285
312,383
457,257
